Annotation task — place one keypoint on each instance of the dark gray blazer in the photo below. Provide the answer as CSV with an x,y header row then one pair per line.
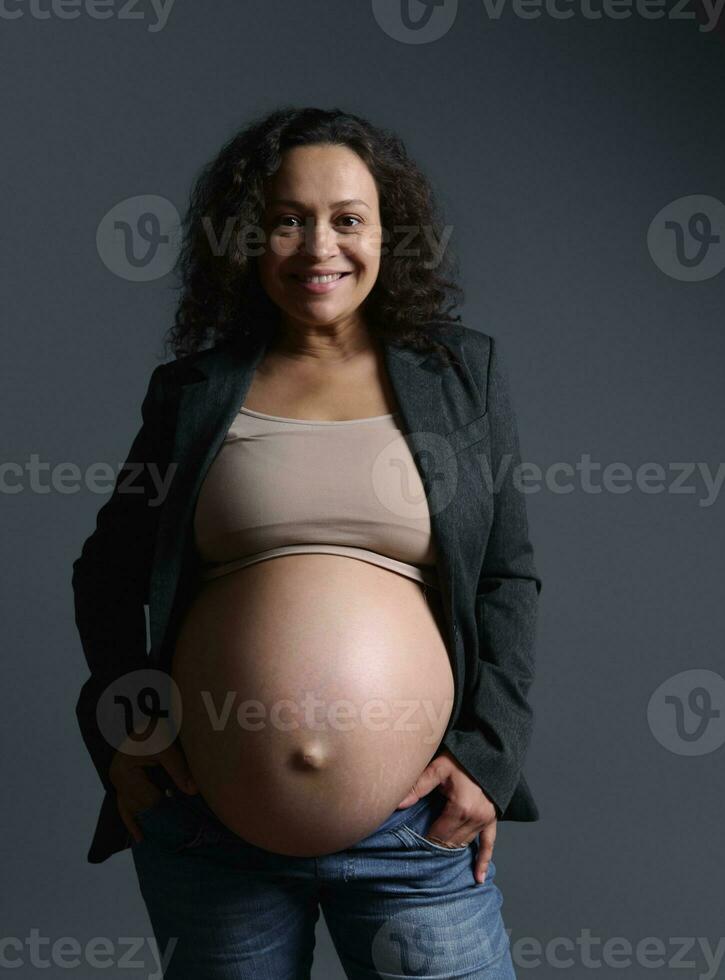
x,y
460,425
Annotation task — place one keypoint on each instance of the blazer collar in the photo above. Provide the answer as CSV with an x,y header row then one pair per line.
x,y
221,377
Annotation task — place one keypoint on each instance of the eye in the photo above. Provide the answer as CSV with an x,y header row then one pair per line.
x,y
284,217
284,220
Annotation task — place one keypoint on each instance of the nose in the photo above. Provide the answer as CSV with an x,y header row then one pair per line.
x,y
319,239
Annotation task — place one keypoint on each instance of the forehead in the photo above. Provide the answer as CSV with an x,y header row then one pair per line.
x,y
322,175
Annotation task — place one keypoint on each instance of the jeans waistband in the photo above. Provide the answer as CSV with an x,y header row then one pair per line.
x,y
403,816
163,781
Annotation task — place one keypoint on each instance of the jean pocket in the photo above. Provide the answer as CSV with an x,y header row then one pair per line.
x,y
171,825
415,841
156,805
140,814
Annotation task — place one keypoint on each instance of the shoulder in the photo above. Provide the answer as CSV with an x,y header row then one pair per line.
x,y
188,367
476,342
472,347
480,354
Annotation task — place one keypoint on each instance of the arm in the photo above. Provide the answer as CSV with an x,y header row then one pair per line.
x,y
111,577
493,751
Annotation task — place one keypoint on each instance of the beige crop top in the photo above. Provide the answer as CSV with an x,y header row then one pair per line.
x,y
283,486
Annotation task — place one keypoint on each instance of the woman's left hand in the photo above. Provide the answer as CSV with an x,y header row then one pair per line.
x,y
468,811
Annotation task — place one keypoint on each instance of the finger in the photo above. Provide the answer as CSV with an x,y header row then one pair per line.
x,y
131,826
486,840
452,831
443,834
427,780
173,761
138,788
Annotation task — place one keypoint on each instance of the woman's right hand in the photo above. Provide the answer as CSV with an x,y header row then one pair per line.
x,y
134,789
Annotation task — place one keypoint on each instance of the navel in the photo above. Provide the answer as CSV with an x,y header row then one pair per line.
x,y
311,756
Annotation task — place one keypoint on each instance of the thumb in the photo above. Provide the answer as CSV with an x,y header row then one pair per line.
x,y
175,764
427,780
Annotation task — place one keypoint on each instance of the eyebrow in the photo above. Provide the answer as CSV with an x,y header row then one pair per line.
x,y
337,204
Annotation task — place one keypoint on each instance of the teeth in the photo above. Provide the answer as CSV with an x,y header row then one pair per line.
x,y
330,278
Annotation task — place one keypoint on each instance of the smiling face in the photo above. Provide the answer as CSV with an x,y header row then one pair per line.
x,y
321,216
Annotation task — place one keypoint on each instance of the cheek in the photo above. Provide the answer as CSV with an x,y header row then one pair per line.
x,y
370,272
370,261
275,254
271,273
366,258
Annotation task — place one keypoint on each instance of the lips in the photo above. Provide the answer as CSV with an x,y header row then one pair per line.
x,y
302,277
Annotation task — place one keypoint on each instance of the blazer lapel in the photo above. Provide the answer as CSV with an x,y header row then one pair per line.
x,y
208,404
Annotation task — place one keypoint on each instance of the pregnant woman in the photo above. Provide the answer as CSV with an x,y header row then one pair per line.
x,y
342,603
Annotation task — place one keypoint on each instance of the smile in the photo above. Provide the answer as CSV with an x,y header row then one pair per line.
x,y
329,278
320,285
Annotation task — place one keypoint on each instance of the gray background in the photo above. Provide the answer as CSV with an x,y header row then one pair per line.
x,y
552,144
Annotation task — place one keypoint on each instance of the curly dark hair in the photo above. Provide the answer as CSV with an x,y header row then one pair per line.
x,y
222,296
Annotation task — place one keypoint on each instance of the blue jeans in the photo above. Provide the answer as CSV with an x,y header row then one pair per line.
x,y
396,904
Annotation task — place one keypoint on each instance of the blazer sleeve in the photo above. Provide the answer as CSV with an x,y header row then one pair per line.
x,y
493,746
110,578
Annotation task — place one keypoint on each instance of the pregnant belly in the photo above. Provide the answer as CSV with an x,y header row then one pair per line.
x,y
314,689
